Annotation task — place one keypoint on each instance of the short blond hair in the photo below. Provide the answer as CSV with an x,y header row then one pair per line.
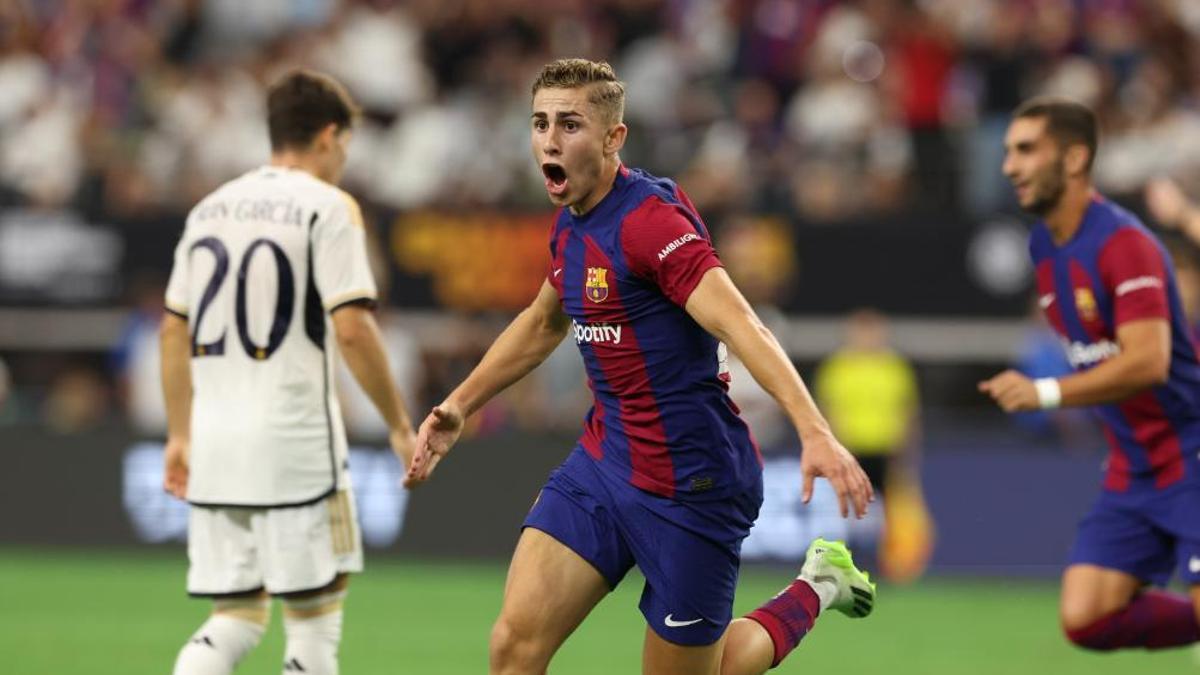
x,y
607,92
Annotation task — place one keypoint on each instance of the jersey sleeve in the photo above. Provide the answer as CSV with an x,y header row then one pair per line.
x,y
1134,273
176,300
662,245
342,269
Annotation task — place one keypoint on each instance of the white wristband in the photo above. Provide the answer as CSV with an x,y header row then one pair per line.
x,y
1048,392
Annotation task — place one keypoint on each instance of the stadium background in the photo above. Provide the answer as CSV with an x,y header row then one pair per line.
x,y
845,154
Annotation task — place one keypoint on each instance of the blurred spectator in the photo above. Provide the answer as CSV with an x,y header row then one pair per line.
x,y
869,394
77,401
760,257
1172,209
823,110
134,360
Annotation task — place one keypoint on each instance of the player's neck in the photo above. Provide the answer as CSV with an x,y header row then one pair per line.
x,y
608,175
300,161
1064,221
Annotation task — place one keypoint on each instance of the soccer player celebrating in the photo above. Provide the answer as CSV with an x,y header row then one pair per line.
x,y
666,475
270,267
1107,287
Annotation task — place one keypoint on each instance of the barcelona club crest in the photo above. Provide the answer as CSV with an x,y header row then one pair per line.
x,y
1085,302
596,285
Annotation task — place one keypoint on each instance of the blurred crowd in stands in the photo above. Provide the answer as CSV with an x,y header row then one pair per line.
x,y
805,111
818,109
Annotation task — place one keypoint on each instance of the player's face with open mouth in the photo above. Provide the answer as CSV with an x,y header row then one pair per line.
x,y
568,143
1033,162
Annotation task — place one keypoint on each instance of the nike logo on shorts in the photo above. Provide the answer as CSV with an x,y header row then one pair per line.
x,y
672,623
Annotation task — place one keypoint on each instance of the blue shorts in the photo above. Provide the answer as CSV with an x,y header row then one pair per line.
x,y
689,552
1146,534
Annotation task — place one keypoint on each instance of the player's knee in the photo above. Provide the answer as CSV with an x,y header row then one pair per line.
x,y
1078,611
516,648
219,645
313,626
255,609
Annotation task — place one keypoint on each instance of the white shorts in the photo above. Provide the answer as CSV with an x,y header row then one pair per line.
x,y
283,550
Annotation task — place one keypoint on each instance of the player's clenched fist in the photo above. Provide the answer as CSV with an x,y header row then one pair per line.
x,y
1012,391
824,456
438,434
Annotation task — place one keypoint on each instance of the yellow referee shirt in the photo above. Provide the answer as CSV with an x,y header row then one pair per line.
x,y
869,397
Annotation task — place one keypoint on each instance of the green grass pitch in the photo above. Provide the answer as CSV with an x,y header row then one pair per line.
x,y
104,613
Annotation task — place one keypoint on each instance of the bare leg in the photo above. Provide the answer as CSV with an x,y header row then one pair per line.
x,y
748,649
550,589
660,657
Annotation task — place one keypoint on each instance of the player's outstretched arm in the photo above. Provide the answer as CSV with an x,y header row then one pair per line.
x,y
175,351
718,306
1144,361
1172,208
362,346
524,344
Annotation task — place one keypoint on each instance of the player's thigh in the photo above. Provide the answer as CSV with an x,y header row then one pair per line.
x,y
549,591
307,549
690,556
223,554
660,657
1090,592
1118,549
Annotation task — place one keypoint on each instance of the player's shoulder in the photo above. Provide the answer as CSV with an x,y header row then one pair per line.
x,y
345,202
653,199
331,203
645,190
1109,219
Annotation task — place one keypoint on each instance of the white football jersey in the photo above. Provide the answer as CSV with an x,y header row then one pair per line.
x,y
262,262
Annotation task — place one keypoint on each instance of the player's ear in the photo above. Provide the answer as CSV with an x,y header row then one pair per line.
x,y
326,138
1075,159
614,140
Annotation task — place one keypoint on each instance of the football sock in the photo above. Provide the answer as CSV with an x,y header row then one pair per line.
x,y
314,631
789,616
218,646
1153,619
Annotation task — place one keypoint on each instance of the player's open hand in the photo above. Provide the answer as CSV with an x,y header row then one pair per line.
x,y
825,457
175,467
438,433
1012,391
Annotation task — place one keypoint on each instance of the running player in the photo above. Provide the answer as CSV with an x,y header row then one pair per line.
x,y
1107,287
270,267
665,475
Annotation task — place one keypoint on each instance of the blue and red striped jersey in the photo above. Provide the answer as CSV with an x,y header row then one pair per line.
x,y
661,419
1114,270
